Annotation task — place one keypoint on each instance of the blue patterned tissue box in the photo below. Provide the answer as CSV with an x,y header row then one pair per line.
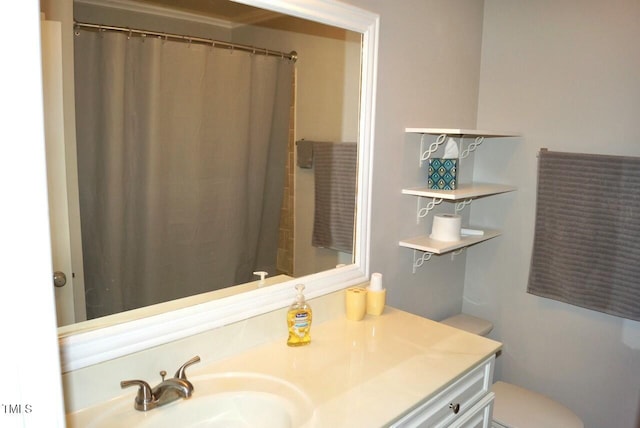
x,y
443,174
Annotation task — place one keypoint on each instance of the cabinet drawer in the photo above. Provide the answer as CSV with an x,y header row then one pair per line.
x,y
479,416
450,404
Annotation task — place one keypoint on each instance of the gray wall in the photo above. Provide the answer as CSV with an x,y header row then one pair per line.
x,y
564,74
428,73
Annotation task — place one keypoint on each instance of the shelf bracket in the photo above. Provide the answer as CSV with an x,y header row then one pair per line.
x,y
418,260
423,211
462,204
425,154
472,147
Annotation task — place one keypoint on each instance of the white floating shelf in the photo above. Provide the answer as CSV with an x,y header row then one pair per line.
x,y
426,244
464,191
461,132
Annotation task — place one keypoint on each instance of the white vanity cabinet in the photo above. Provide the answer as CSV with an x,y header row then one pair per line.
x,y
423,246
467,402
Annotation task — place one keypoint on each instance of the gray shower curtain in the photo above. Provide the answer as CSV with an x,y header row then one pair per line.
x,y
181,156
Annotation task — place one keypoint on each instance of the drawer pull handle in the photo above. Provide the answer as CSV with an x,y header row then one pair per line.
x,y
455,407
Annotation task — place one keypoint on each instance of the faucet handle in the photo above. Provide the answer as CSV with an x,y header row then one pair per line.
x,y
144,399
181,374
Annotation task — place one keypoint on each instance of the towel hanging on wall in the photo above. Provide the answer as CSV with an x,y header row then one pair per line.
x,y
335,166
586,249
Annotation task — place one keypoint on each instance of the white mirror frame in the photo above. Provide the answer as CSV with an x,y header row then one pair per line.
x,y
92,347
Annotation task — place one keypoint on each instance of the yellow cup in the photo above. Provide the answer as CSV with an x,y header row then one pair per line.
x,y
355,300
376,301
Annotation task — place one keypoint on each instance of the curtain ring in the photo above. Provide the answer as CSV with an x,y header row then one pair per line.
x,y
130,32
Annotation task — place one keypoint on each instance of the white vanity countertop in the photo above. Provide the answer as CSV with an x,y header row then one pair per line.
x,y
362,373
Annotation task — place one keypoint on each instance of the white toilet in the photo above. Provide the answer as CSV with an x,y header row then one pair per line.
x,y
516,407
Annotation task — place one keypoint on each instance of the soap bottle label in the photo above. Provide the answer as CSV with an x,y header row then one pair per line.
x,y
299,327
300,322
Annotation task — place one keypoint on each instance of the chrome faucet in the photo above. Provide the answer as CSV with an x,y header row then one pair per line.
x,y
165,392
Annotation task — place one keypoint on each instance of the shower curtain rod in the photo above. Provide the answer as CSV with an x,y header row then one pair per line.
x,y
293,55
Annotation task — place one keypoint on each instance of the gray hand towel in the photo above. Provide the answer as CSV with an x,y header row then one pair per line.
x,y
335,167
586,250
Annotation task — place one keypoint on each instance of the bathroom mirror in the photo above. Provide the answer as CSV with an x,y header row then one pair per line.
x,y
182,161
175,319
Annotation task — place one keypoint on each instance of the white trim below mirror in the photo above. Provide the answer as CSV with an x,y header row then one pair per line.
x,y
83,349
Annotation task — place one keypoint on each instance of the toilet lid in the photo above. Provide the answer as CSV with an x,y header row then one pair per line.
x,y
469,323
516,407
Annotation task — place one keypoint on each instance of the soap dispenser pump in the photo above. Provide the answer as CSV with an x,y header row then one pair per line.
x,y
299,320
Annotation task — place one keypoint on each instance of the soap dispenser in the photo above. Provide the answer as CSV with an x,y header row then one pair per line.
x,y
299,320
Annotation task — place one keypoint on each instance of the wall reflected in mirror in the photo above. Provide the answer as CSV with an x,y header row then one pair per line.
x,y
189,174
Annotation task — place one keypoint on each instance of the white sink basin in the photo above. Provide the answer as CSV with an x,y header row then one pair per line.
x,y
226,400
227,410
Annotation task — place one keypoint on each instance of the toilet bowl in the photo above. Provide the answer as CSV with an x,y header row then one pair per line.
x,y
514,406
